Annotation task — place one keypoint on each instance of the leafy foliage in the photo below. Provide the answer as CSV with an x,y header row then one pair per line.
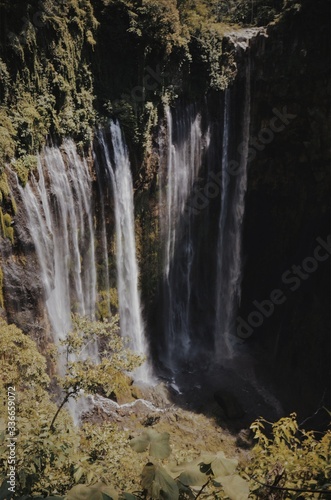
x,y
172,482
44,460
51,458
7,137
156,443
23,166
53,462
290,458
98,491
83,373
46,87
158,483
65,64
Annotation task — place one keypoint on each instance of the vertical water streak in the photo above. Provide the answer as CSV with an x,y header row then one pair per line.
x,y
60,222
79,178
229,246
131,321
105,284
184,156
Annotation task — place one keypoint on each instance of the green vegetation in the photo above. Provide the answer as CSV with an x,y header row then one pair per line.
x,y
46,85
23,166
64,65
52,454
4,186
108,302
99,460
292,461
6,226
8,208
188,479
82,373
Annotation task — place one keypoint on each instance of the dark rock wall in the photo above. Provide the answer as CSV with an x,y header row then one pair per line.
x,y
287,207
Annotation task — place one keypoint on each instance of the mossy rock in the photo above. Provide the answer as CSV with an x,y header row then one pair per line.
x,y
4,186
23,166
7,137
122,392
6,226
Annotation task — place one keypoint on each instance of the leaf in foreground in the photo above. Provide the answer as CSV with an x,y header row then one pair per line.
x,y
234,486
158,443
158,483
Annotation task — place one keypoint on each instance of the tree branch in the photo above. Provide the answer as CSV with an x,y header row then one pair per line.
x,y
283,488
203,487
65,400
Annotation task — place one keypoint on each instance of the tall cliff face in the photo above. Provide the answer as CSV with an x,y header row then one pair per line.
x,y
282,320
287,208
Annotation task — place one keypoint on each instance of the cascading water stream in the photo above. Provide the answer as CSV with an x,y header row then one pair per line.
x,y
131,322
60,222
229,260
59,215
104,243
183,161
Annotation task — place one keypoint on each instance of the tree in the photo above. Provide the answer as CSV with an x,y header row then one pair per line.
x,y
52,460
87,373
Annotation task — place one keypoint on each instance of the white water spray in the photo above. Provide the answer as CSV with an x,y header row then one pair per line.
x,y
131,321
183,161
60,221
229,246
59,213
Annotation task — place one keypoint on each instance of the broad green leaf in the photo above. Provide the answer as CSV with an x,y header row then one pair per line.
x,y
223,466
157,443
109,491
158,483
89,476
99,491
82,492
235,487
195,472
4,492
192,476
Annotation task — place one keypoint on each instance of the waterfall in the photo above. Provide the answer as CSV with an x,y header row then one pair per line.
x,y
183,156
119,172
59,218
104,281
229,261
